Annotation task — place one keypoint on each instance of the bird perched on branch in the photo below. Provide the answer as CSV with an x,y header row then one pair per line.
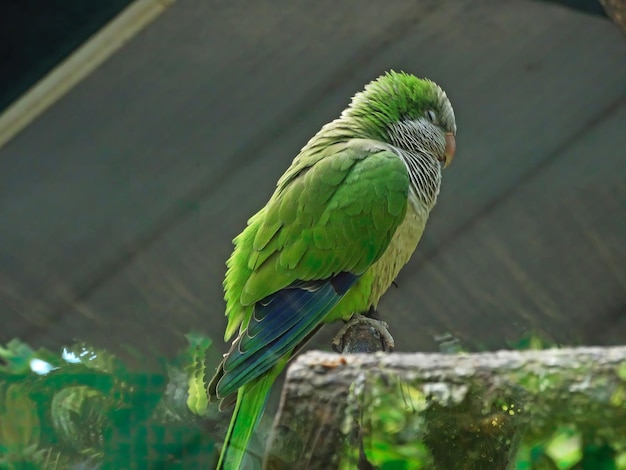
x,y
343,220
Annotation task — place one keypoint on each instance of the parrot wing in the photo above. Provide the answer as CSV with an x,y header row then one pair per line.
x,y
331,217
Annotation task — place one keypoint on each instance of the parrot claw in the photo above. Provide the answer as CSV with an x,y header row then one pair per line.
x,y
349,339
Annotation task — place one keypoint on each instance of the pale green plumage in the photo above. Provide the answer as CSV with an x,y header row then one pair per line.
x,y
355,200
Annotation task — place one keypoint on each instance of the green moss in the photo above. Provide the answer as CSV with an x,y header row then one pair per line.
x,y
390,422
618,397
565,448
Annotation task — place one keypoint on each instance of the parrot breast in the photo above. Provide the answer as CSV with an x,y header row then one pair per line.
x,y
376,280
399,251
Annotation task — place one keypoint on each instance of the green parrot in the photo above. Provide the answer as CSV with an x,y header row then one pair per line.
x,y
343,220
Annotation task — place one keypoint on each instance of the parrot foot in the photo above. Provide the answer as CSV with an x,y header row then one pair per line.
x,y
362,334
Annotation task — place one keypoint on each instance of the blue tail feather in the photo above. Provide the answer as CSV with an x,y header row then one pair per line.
x,y
279,323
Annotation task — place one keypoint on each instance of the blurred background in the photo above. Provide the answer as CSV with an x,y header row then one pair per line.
x,y
119,202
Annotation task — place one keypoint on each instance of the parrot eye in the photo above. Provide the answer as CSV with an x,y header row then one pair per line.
x,y
432,117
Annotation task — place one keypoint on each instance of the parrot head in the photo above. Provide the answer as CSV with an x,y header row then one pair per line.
x,y
410,113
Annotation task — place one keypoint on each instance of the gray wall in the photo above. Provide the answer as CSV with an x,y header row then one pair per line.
x,y
119,203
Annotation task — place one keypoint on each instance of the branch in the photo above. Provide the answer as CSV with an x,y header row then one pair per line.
x,y
462,409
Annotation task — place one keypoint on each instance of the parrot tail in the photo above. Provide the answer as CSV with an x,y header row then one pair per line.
x,y
251,399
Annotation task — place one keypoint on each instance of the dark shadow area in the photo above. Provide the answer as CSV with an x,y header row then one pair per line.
x,y
35,36
591,7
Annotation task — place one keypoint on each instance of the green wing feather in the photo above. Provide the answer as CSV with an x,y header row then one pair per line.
x,y
335,210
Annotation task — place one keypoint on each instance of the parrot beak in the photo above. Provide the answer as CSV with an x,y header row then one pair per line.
x,y
450,149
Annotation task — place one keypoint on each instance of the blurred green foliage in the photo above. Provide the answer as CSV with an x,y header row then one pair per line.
x,y
83,408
